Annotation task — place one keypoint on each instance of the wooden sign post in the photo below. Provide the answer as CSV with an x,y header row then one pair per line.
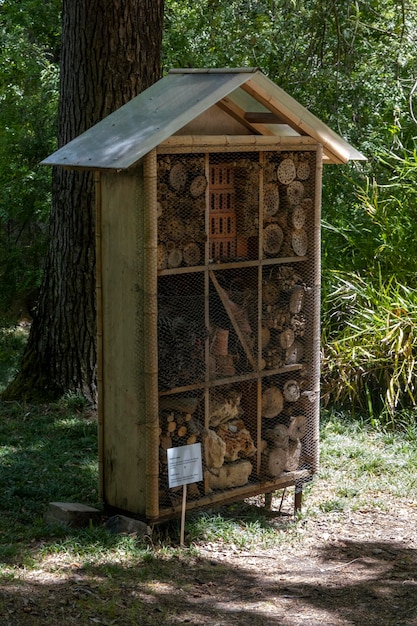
x,y
184,467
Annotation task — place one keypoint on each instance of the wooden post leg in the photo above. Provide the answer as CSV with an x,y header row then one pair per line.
x,y
268,501
298,498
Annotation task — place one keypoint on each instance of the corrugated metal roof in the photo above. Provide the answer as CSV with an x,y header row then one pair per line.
x,y
124,137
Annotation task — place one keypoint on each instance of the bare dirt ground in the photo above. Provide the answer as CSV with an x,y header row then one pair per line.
x,y
334,569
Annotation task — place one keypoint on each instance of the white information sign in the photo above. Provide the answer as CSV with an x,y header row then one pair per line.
x,y
184,465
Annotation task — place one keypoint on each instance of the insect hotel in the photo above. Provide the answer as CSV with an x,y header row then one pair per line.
x,y
208,287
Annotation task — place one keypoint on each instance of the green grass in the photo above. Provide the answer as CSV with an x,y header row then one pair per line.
x,y
12,343
49,453
46,454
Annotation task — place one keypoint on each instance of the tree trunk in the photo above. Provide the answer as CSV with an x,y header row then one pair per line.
x,y
111,51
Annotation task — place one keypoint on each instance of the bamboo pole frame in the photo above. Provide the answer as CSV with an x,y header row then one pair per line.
x,y
99,330
237,494
151,335
176,144
317,304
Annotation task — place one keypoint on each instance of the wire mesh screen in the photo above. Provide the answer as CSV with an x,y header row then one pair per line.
x,y
237,319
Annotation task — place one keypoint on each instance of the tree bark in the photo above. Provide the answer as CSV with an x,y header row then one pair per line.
x,y
111,51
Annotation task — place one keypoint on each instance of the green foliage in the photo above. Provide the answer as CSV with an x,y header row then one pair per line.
x,y
369,298
348,62
353,64
370,346
28,103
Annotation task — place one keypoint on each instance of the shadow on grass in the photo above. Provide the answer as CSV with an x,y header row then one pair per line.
x,y
46,454
360,583
92,578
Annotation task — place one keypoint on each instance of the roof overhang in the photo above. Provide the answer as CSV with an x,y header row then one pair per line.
x,y
127,135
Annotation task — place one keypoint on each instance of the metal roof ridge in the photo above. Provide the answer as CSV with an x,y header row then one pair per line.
x,y
214,70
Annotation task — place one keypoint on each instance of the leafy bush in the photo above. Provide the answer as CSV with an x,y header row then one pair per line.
x,y
28,100
370,345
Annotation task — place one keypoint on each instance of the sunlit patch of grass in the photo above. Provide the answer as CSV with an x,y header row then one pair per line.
x,y
362,464
240,533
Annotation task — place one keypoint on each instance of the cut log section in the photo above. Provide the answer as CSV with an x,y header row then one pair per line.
x,y
278,436
198,186
293,454
230,475
165,442
297,299
174,258
272,402
286,171
294,354
291,391
274,464
272,239
286,338
295,192
297,427
299,241
178,176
